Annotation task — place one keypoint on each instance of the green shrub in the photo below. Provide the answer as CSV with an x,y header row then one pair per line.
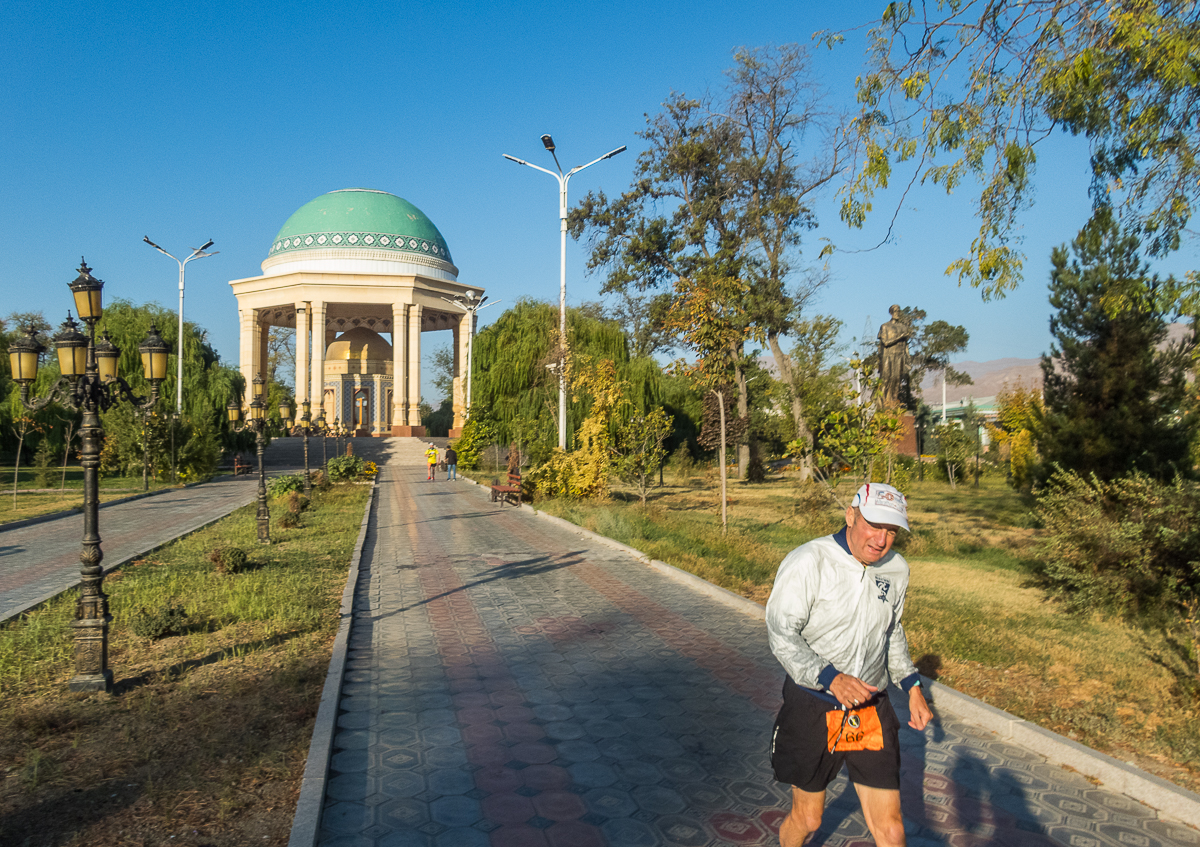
x,y
228,559
1126,546
289,520
279,486
159,623
296,502
43,463
477,435
682,463
345,467
319,481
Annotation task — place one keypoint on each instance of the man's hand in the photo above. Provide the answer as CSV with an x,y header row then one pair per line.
x,y
918,710
851,691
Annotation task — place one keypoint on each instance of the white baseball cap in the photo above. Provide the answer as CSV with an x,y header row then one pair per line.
x,y
880,503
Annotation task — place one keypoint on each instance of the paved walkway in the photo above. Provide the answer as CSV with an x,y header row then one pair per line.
x,y
40,561
508,683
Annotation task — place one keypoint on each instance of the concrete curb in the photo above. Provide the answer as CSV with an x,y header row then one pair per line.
x,y
306,823
1167,798
107,568
66,513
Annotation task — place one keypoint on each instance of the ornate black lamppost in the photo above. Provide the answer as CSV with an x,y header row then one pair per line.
x,y
89,384
285,415
324,436
258,422
305,422
145,449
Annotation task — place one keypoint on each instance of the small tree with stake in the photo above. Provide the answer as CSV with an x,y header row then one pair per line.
x,y
706,314
640,450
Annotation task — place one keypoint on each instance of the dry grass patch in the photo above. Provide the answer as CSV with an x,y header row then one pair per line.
x,y
205,738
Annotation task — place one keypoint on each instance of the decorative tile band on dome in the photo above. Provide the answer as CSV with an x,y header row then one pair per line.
x,y
373,240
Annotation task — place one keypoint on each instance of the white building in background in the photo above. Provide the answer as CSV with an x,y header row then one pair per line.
x,y
346,269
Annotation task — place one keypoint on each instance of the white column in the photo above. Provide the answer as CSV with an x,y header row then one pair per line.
x,y
316,315
301,353
414,365
462,337
261,360
247,345
399,369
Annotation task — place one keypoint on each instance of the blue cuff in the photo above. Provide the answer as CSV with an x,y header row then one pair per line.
x,y
910,680
827,676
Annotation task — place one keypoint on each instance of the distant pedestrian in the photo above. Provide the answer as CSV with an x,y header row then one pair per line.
x,y
451,464
431,456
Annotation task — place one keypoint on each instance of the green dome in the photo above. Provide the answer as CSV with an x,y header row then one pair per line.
x,y
361,218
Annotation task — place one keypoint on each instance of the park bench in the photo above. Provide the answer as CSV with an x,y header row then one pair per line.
x,y
240,466
511,492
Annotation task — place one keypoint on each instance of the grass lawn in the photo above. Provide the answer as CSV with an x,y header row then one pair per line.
x,y
975,618
205,739
66,493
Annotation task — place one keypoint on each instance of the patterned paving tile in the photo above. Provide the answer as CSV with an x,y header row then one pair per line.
x,y
512,684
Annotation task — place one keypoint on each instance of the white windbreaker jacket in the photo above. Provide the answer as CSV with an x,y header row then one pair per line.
x,y
830,614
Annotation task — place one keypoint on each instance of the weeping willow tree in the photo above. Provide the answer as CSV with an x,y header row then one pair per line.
x,y
208,386
516,388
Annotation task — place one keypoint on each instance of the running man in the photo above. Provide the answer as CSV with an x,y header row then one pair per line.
x,y
833,620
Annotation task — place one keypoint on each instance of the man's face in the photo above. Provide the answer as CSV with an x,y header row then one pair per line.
x,y
868,542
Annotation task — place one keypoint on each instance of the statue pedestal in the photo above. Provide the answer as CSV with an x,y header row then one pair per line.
x,y
906,444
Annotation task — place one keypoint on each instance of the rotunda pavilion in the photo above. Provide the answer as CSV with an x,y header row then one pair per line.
x,y
346,269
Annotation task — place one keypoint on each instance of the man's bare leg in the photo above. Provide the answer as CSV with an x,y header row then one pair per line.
x,y
881,808
803,819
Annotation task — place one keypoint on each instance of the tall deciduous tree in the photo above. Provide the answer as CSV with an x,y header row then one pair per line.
x,y
980,83
932,346
1114,401
725,189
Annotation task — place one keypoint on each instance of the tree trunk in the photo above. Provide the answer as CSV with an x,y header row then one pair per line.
x,y
743,407
721,461
784,363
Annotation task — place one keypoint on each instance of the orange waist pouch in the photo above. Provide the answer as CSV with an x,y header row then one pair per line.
x,y
854,729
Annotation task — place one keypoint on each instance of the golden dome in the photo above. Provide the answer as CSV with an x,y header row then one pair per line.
x,y
359,344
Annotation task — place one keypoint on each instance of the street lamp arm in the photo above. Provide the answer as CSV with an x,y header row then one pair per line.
x,y
538,167
146,238
62,391
607,155
200,254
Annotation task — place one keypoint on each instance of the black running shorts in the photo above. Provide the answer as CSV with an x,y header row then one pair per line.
x,y
801,757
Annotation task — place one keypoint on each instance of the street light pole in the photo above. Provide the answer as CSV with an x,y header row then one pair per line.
x,y
471,303
198,253
563,179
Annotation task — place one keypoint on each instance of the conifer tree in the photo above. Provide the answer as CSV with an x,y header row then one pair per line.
x,y
1114,394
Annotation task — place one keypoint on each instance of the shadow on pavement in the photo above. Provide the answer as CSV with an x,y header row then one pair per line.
x,y
509,570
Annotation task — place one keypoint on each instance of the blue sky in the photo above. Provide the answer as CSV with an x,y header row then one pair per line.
x,y
188,121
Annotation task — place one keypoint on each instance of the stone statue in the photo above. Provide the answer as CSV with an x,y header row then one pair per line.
x,y
893,357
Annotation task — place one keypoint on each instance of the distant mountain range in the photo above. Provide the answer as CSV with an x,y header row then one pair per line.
x,y
988,378
991,376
